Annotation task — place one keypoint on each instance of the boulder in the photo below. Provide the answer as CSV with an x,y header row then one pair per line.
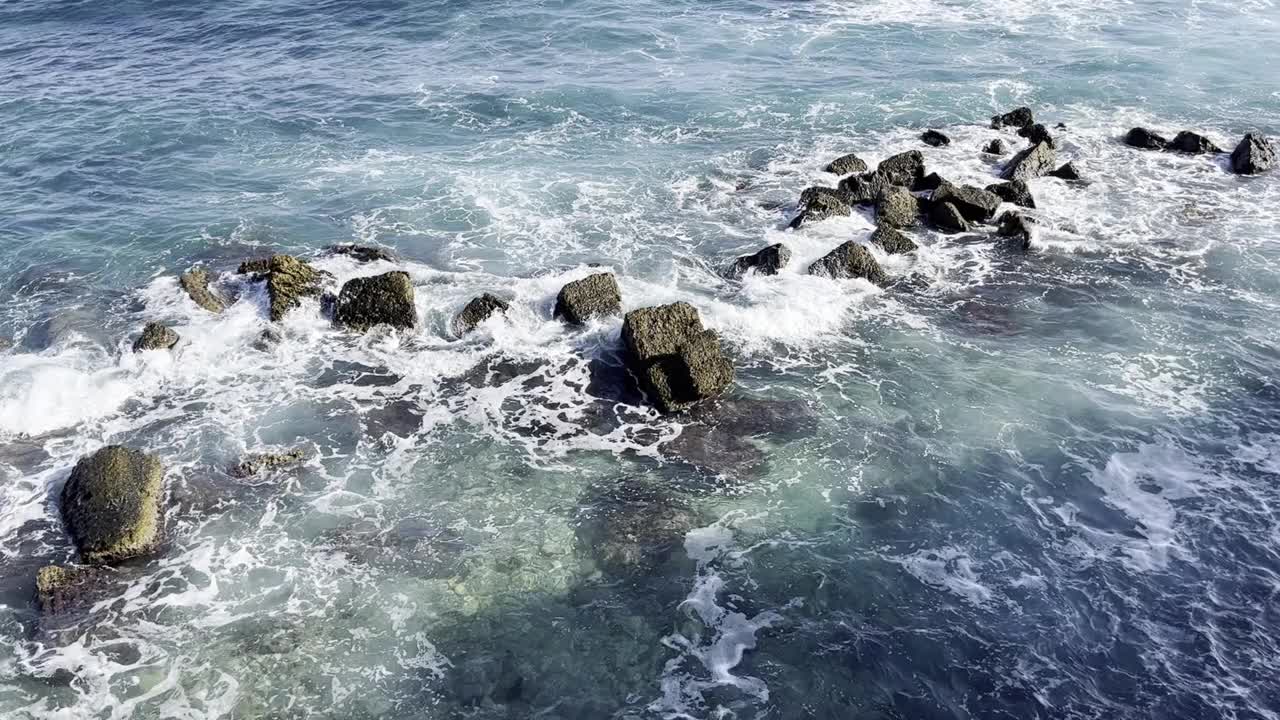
x,y
1254,154
892,241
61,589
260,463
385,299
156,336
1016,118
1033,162
975,204
863,189
820,203
765,262
111,504
933,138
477,311
1068,171
288,281
996,147
1018,227
846,165
362,253
903,169
1015,192
946,217
675,360
196,283
1145,139
850,260
897,209
1037,133
593,296
1193,143
932,181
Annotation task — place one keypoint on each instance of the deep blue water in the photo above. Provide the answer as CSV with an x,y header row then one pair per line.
x,y
1012,485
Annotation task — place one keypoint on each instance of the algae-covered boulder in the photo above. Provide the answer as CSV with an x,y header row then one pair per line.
x,y
385,299
196,283
593,296
111,504
675,360
892,241
477,311
897,209
765,262
849,260
903,169
846,165
1033,162
260,463
156,336
288,281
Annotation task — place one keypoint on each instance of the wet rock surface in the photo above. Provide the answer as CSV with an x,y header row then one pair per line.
x,y
904,169
262,463
594,296
156,336
846,165
1016,192
385,299
862,189
765,262
892,241
820,203
362,253
477,311
897,209
975,204
676,361
1193,143
1255,154
1145,139
1018,228
1031,163
1068,171
111,504
196,284
996,147
849,260
933,138
947,217
288,279
1036,134
1017,118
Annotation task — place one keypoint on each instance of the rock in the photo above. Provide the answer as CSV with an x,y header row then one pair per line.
x,y
1193,143
846,165
1033,162
1015,192
288,281
862,189
1017,226
975,204
932,181
267,340
592,296
1254,154
820,203
996,147
892,241
362,253
1145,139
717,451
946,217
477,311
61,589
111,504
903,169
632,525
897,208
676,361
850,260
259,463
1037,133
385,299
196,283
1068,171
1016,118
765,262
156,336
934,138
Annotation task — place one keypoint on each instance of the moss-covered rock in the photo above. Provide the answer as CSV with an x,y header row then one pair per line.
x,y
765,262
675,360
476,312
60,589
385,299
111,504
593,296
156,336
897,209
846,165
288,281
849,260
196,283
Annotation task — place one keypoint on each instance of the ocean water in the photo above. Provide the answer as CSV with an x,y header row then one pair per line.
x,y
1040,485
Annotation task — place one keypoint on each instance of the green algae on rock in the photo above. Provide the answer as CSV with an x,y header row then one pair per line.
x,y
111,504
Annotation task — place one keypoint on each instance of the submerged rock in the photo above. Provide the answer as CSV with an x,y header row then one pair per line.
x,y
1068,171
849,260
196,283
947,217
933,138
765,262
362,253
893,241
975,204
717,450
820,203
1031,163
904,169
385,299
1255,154
111,504
846,165
288,281
1015,192
259,463
1018,227
676,361
1145,139
1017,118
156,336
633,525
592,296
61,589
1193,143
1037,133
996,147
415,546
477,311
897,209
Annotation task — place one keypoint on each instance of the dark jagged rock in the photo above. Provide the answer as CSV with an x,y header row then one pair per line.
x,y
362,253
196,283
1193,143
1068,171
633,525
946,217
1015,192
904,169
932,181
593,296
260,463
892,241
385,299
1255,154
676,361
111,504
820,203
1017,227
1016,118
933,138
850,260
996,147
156,336
846,165
1031,163
975,204
477,311
765,262
1145,139
863,189
288,281
897,209
1037,133
63,589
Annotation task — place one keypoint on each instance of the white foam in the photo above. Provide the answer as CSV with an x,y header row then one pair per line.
x,y
947,568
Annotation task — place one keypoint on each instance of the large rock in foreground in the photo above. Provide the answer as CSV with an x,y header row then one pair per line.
x,y
1254,154
675,360
477,311
1034,162
156,336
593,296
765,262
111,504
288,281
850,260
196,283
385,299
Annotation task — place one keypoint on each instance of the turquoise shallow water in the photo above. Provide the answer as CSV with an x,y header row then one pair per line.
x,y
1011,485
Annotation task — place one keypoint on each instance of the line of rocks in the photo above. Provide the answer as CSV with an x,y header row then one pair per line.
x,y
1254,153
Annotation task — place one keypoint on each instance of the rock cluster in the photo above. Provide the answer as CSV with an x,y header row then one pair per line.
x,y
1252,155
